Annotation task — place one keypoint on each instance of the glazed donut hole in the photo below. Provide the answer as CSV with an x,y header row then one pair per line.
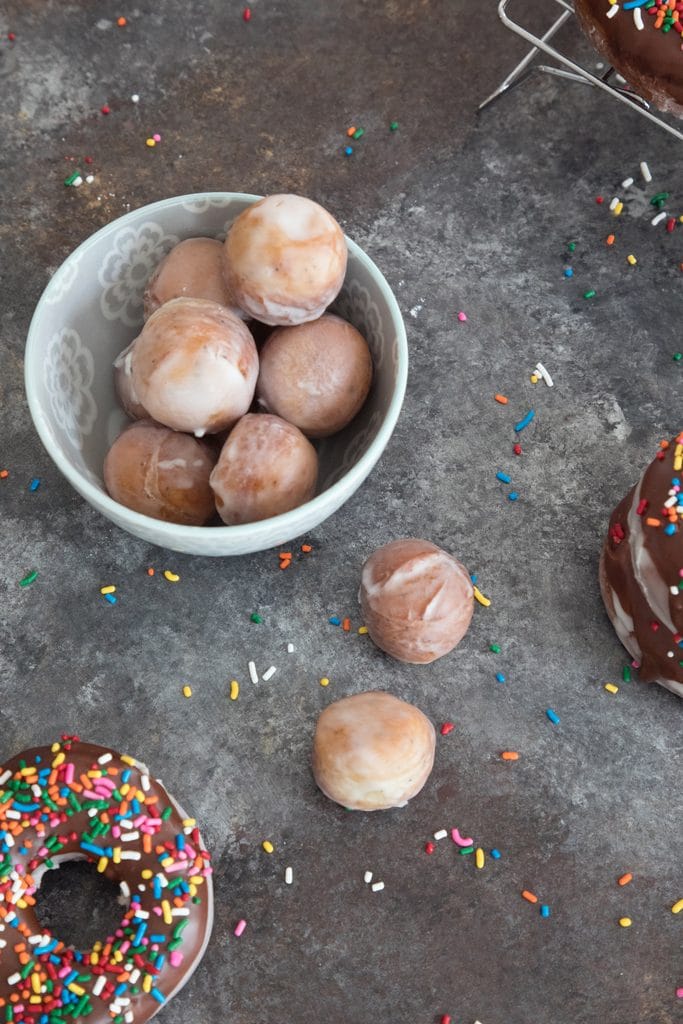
x,y
372,751
192,372
416,600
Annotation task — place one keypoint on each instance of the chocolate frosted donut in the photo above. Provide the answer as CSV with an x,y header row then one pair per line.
x,y
643,42
641,569
77,801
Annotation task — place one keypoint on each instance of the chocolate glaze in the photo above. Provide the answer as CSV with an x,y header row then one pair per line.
x,y
650,60
24,858
639,565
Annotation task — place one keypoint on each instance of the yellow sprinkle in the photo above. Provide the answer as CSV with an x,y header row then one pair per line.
x,y
150,142
117,956
479,857
618,208
107,590
166,862
54,748
324,681
127,759
147,983
76,989
98,946
59,759
677,907
187,691
116,855
362,630
35,999
94,957
102,864
625,922
234,690
480,597
189,822
268,846
632,260
611,688
124,789
193,890
172,577
196,879
533,378
166,908
35,982
146,873
678,462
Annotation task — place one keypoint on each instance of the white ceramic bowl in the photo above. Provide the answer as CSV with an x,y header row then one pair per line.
x,y
92,309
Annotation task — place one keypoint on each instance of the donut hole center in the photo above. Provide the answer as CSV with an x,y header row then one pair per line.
x,y
78,905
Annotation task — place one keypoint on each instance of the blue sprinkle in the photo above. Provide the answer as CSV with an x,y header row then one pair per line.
x,y
160,998
496,854
35,484
473,577
503,477
142,928
525,421
348,150
545,910
553,716
111,598
334,620
670,529
156,886
569,272
500,677
634,3
513,495
25,807
180,841
125,775
120,989
157,938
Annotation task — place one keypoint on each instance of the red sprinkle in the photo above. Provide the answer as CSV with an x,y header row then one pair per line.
x,y
642,505
659,456
445,1019
599,200
88,159
654,626
671,224
11,36
105,109
517,449
429,847
446,728
246,13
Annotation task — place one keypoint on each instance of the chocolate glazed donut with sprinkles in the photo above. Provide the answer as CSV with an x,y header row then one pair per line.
x,y
78,801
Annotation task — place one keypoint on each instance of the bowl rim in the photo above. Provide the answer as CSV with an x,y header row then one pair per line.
x,y
174,532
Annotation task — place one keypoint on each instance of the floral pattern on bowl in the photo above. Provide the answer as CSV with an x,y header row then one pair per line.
x,y
127,268
69,375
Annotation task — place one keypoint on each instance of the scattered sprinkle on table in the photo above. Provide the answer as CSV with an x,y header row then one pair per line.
x,y
529,896
239,928
255,617
253,674
441,834
677,907
246,14
35,484
393,127
446,728
290,648
187,691
553,716
462,317
611,688
525,421
150,571
268,846
501,399
481,598
4,473
377,886
625,922
110,589
172,577
590,294
459,840
324,681
500,678
429,847
544,910
625,879
479,858
495,648
30,578
269,673
496,854
289,876
510,755
367,877
234,689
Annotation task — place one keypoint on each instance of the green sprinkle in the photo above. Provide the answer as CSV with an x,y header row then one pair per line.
x,y
72,177
179,928
255,617
468,849
626,674
678,356
29,579
572,246
393,127
166,813
358,133
590,294
495,648
29,966
661,197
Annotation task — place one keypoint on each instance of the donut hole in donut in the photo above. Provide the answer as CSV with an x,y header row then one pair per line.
x,y
78,905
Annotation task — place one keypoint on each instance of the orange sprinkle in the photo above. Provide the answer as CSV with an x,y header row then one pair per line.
x,y
285,554
529,896
346,625
351,131
285,563
4,473
121,22
664,445
501,398
150,571
510,755
306,548
652,522
609,240
625,879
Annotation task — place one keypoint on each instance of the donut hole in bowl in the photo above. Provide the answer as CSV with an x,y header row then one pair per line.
x,y
79,905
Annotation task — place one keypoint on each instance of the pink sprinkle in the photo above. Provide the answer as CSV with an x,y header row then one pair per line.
x,y
635,664
69,773
462,317
240,926
156,137
176,958
458,839
446,728
679,992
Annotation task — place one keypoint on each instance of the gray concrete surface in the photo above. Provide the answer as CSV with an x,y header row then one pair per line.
x,y
459,213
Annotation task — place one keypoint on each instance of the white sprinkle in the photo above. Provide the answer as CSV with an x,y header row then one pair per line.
x,y
620,79
180,912
253,674
89,178
613,11
14,815
674,591
290,648
627,182
163,880
269,673
130,836
142,914
77,182
645,171
660,216
377,886
638,18
99,985
289,876
135,98
669,654
104,759
129,1017
134,975
92,812
2,943
35,939
441,834
367,877
36,790
125,889
670,502
144,782
615,202
5,776
544,373
130,855
14,978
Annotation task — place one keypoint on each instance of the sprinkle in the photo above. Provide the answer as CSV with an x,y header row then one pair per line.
x,y
150,142
105,109
501,398
513,495
441,834
446,728
631,260
485,601
677,907
172,577
609,240
348,150
359,132
269,673
568,272
510,755
529,896
611,688
645,171
367,877
590,294
533,378
462,317
625,922
393,127
290,648
110,598
545,910
637,18
121,22
544,373
362,630
234,689
496,854
659,218
503,477
626,674
377,886
255,617
150,571
625,879
459,840
135,98
334,620
289,876
111,589
479,858
246,14
324,681
615,202
306,548
239,928
445,1019
253,674
429,847
4,473
156,137
500,678
29,579
268,846
495,648
187,691
627,183
350,131
346,625
35,484
553,716
525,421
